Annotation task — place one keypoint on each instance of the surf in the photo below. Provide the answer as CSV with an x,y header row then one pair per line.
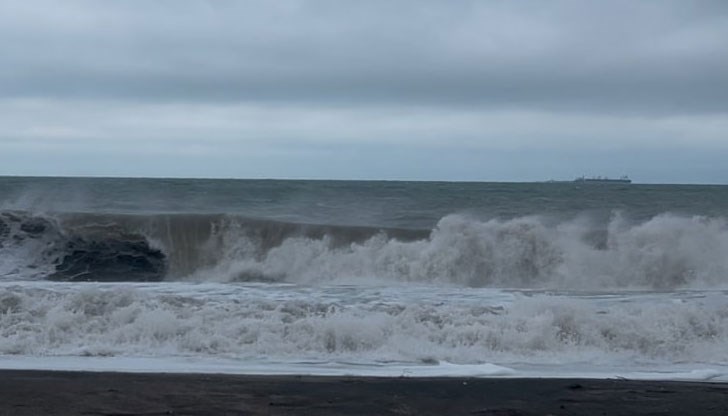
x,y
664,252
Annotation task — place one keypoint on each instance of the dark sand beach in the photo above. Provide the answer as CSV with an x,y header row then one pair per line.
x,y
88,393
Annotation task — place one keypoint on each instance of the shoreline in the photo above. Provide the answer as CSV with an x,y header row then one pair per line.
x,y
35,392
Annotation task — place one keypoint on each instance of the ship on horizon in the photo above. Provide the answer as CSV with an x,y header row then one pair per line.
x,y
603,179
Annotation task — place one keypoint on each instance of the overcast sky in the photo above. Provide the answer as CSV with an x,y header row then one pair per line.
x,y
430,90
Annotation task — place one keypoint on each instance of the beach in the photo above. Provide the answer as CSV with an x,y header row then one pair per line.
x,y
109,393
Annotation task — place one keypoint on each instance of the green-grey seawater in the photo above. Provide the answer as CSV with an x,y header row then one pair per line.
x,y
371,278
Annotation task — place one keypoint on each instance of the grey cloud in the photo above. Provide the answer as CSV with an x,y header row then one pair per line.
x,y
615,57
478,90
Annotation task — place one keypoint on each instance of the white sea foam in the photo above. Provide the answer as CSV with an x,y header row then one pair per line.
x,y
518,297
665,252
367,328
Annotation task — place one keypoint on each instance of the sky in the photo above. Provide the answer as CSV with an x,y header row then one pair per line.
x,y
414,90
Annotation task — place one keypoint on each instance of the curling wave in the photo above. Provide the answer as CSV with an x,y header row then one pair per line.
x,y
666,251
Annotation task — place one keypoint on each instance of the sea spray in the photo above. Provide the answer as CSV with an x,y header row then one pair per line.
x,y
666,251
376,278
374,325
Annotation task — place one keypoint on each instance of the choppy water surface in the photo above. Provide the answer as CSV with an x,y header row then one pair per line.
x,y
377,278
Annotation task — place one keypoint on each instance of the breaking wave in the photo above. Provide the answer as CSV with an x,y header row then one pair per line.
x,y
666,251
118,321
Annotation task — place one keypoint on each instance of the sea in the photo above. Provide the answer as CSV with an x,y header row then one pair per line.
x,y
369,278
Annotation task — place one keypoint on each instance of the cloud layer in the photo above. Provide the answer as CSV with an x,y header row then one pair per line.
x,y
210,78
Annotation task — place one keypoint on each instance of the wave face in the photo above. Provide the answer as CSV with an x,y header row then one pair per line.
x,y
43,247
663,252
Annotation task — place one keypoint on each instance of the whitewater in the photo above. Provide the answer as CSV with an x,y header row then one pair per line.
x,y
399,279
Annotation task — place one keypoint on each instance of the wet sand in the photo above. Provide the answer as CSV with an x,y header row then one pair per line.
x,y
86,393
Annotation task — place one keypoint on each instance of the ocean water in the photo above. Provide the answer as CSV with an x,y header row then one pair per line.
x,y
364,278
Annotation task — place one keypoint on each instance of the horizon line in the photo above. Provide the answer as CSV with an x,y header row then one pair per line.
x,y
313,179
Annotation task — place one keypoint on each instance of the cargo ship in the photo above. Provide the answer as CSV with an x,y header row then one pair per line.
x,y
603,180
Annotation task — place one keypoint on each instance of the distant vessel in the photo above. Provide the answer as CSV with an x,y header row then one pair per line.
x,y
603,179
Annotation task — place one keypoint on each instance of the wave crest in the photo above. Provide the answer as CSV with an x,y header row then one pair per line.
x,y
666,251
